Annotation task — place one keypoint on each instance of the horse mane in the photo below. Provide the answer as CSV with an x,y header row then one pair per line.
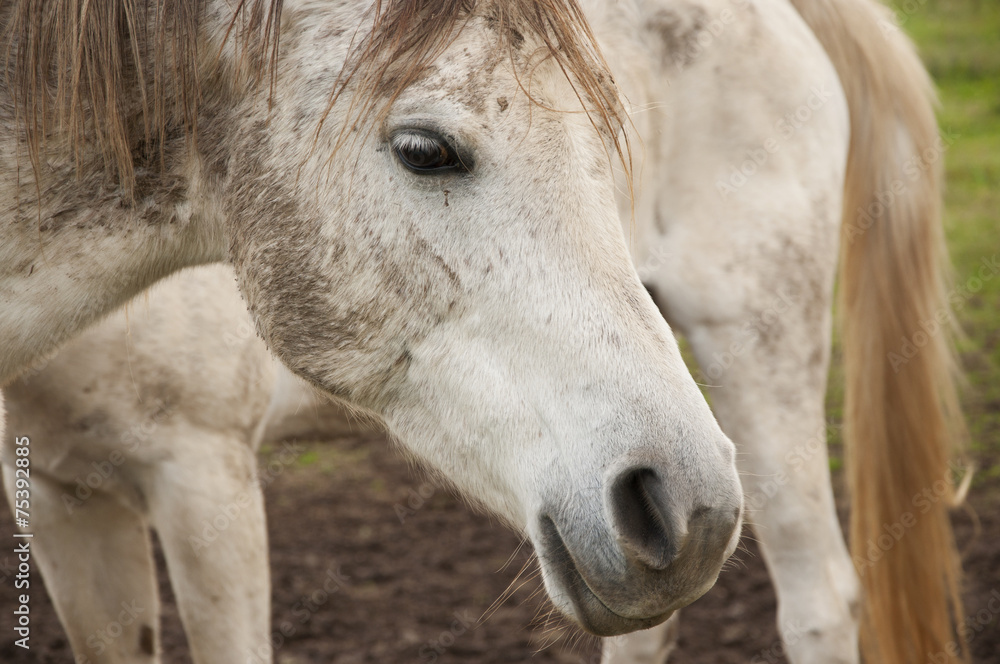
x,y
115,78
112,78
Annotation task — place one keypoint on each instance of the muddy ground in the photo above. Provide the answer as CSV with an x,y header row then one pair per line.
x,y
417,569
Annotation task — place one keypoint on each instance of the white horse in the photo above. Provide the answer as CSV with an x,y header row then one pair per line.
x,y
152,419
419,203
736,231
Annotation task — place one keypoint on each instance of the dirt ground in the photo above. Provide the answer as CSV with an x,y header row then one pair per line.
x,y
416,570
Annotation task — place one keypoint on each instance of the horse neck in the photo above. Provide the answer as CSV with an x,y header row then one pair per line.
x,y
74,247
71,258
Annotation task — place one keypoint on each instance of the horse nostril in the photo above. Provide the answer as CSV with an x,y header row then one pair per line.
x,y
641,513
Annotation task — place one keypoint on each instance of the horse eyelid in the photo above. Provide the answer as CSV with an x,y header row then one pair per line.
x,y
411,138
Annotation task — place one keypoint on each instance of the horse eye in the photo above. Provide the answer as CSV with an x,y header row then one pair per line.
x,y
422,152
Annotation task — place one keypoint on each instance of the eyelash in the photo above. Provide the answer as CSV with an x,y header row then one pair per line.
x,y
406,144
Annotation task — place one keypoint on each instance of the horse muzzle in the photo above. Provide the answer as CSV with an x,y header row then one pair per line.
x,y
655,552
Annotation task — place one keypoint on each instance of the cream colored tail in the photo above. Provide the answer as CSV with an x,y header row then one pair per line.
x,y
902,416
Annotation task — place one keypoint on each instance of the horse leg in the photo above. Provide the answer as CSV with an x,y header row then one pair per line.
x,y
769,397
95,557
650,646
208,509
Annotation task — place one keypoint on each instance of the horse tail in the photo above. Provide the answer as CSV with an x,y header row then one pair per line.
x,y
902,419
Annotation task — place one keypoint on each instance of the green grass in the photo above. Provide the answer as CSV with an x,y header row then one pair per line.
x,y
316,455
959,41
